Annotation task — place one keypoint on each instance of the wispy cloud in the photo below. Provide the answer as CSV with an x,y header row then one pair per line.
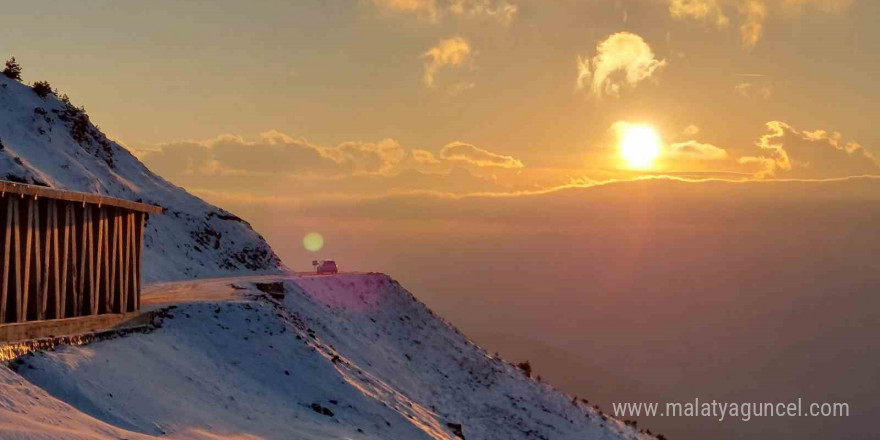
x,y
752,15
501,11
452,52
693,150
786,151
705,11
460,151
751,90
691,130
277,163
622,59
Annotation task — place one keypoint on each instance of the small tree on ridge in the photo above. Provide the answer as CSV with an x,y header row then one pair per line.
x,y
12,70
42,88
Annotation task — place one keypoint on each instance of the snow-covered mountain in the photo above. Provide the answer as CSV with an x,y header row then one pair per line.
x,y
48,141
342,357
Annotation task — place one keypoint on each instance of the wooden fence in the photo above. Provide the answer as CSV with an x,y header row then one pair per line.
x,y
68,254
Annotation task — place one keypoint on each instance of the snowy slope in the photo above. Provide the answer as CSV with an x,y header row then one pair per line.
x,y
359,346
45,141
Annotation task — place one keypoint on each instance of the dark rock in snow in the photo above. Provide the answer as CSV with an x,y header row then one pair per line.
x,y
316,407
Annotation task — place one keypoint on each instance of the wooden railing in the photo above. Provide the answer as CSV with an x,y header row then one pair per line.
x,y
67,254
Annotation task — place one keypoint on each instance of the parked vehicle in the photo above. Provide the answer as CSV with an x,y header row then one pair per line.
x,y
325,267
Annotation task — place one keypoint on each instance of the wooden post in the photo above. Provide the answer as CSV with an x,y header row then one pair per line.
x,y
38,266
126,253
139,234
105,260
4,298
69,265
93,306
114,268
97,284
47,266
26,282
132,264
123,263
83,242
56,291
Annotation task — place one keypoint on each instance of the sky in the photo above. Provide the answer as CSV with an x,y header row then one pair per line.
x,y
292,100
652,199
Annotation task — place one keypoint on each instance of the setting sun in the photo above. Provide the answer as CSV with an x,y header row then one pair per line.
x,y
640,146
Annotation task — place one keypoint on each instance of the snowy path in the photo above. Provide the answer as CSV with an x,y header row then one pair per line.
x,y
211,289
203,290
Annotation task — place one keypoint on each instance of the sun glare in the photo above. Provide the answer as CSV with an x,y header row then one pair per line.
x,y
640,146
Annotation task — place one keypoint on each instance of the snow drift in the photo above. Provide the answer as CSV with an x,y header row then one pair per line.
x,y
342,357
47,141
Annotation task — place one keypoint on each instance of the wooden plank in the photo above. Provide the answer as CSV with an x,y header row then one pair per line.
x,y
114,302
72,261
100,244
120,274
29,238
54,328
56,291
65,255
47,266
6,259
16,231
83,254
105,259
126,244
72,196
38,262
132,264
107,269
93,295
139,234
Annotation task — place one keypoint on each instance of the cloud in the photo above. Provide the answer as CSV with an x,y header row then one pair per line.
x,y
424,8
750,90
179,158
425,157
809,154
705,11
622,59
501,11
751,15
275,153
452,52
459,151
691,130
696,151
754,13
280,165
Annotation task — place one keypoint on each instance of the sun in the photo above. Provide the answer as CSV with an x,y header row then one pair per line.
x,y
640,146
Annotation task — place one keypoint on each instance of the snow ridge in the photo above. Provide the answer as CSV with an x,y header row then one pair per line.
x,y
47,141
339,357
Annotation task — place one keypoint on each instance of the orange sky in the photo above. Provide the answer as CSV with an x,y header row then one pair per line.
x,y
295,100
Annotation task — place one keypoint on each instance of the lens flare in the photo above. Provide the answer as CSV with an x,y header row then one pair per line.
x,y
313,242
